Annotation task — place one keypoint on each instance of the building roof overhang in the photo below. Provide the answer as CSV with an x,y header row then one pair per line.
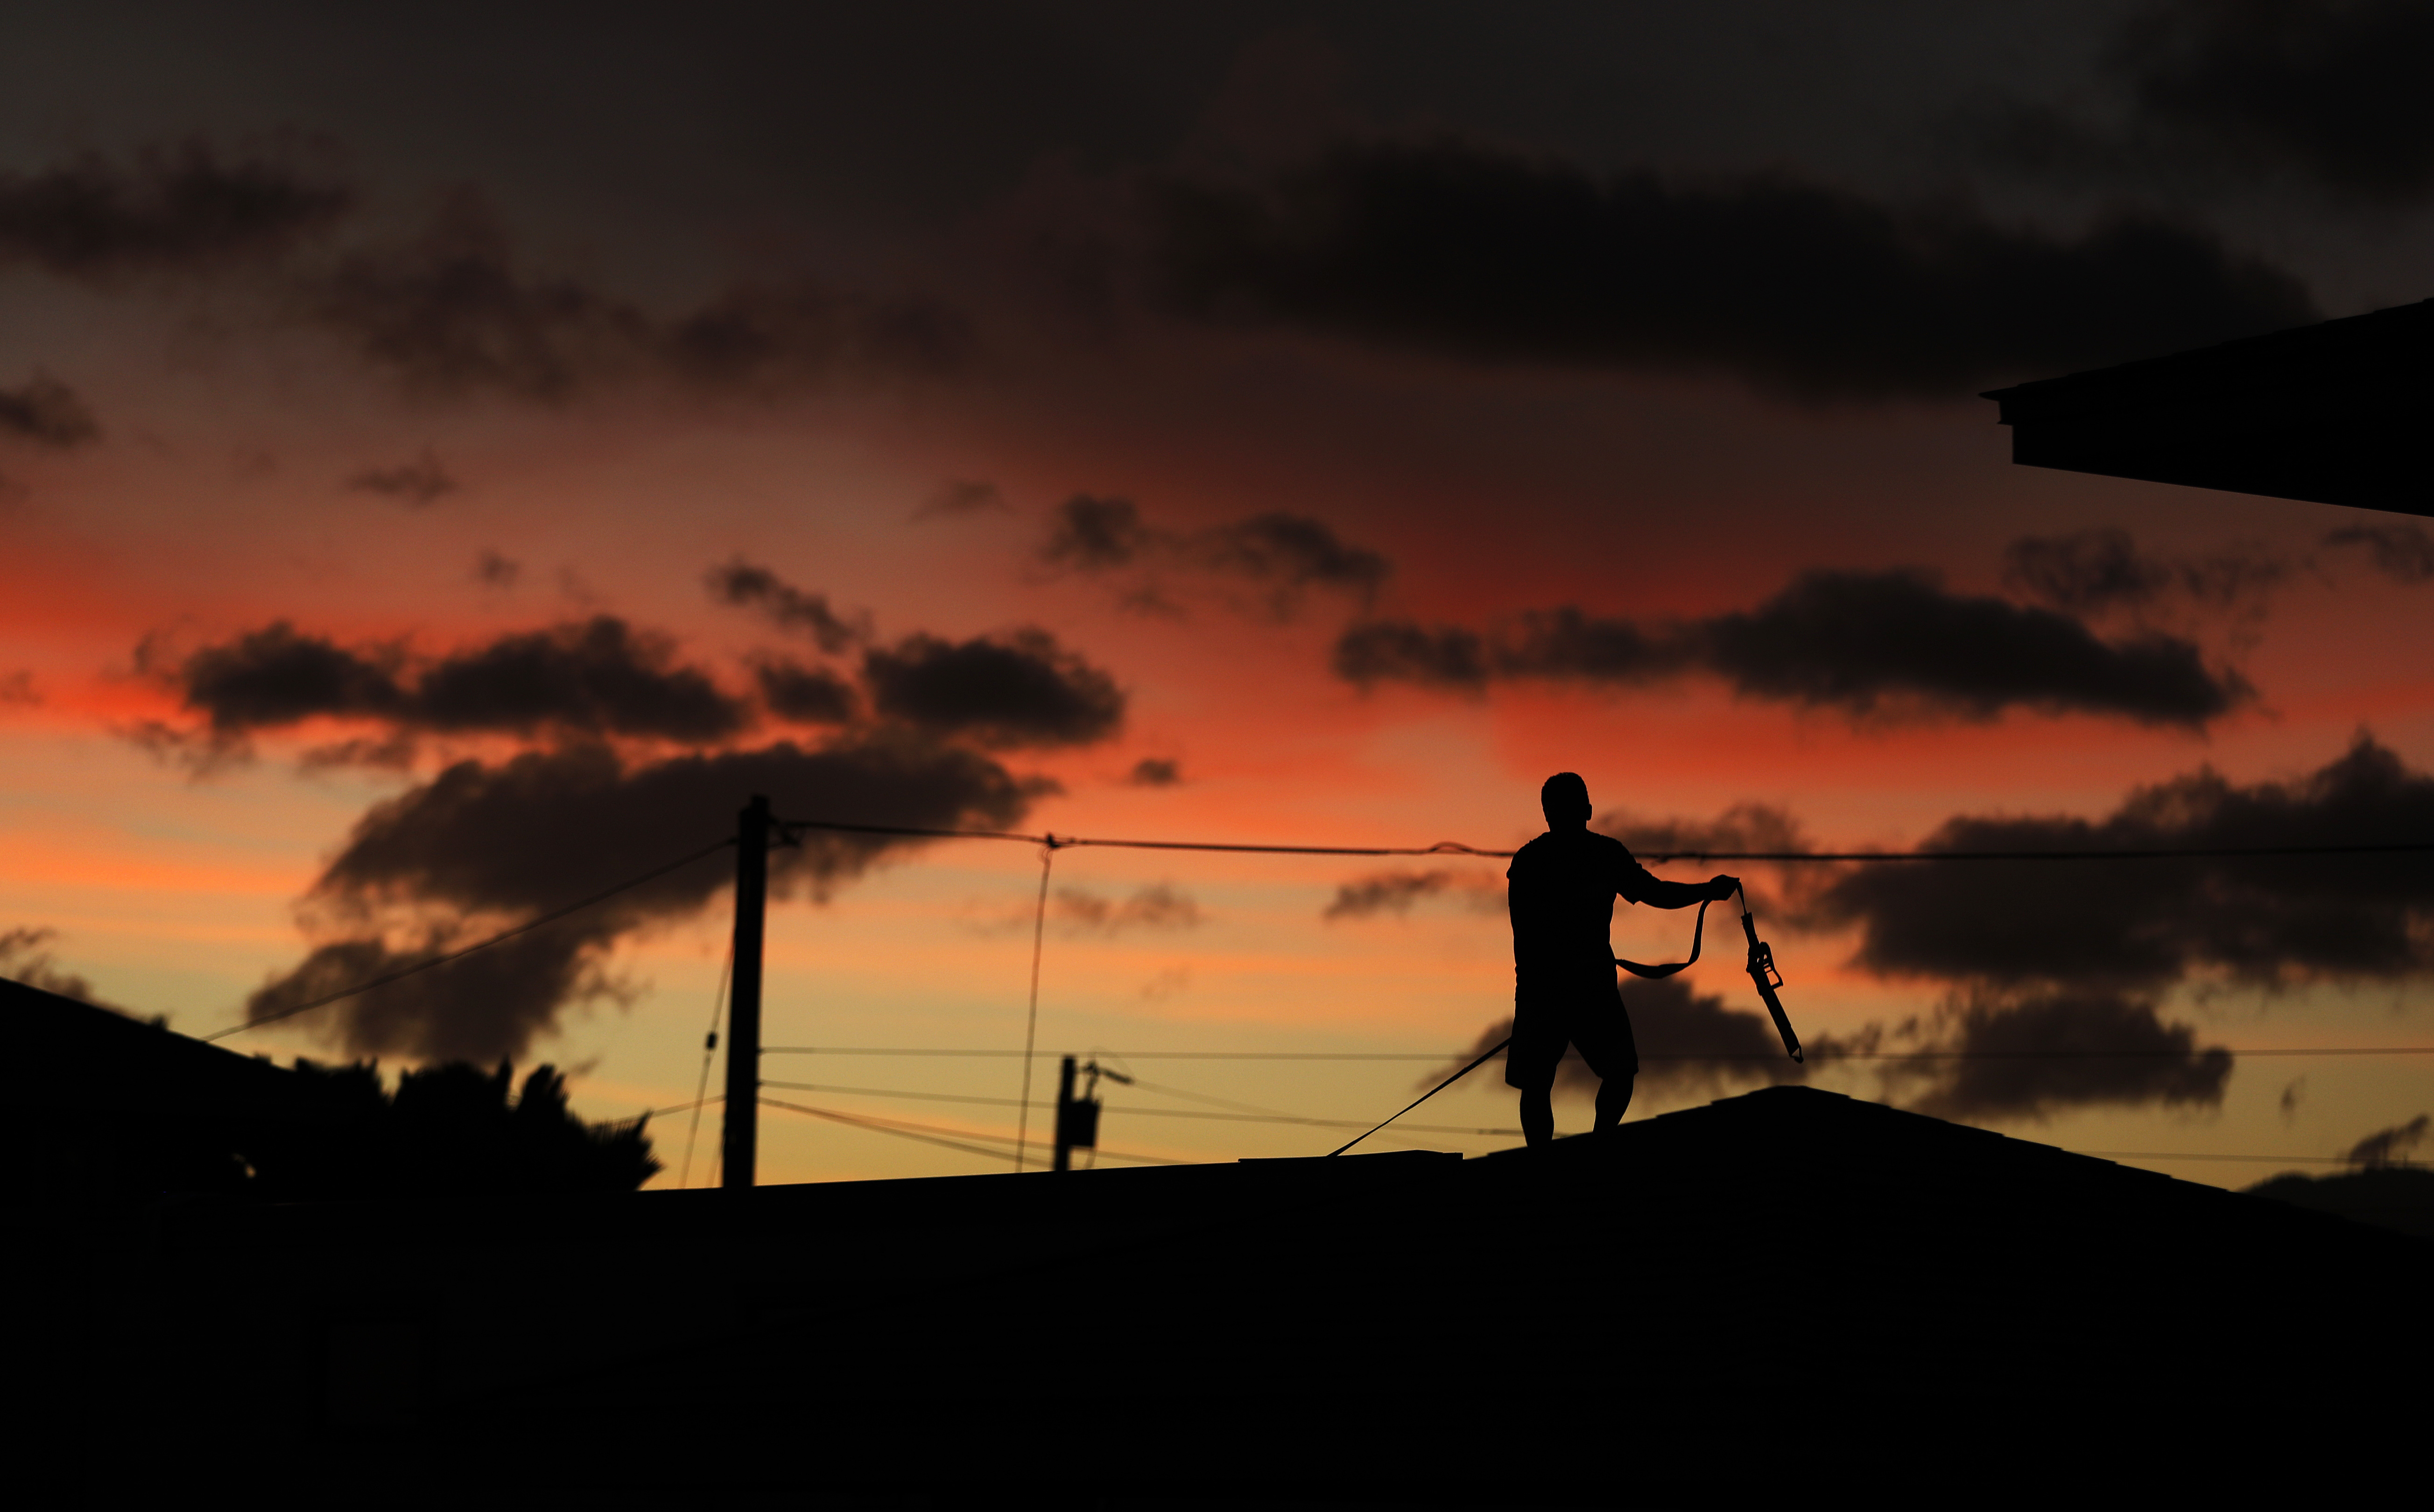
x,y
2336,413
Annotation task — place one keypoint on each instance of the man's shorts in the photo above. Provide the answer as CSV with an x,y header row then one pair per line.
x,y
1589,1016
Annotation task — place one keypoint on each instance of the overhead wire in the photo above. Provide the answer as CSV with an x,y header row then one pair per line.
x,y
930,1134
501,938
1263,1115
1440,1056
1457,848
709,1049
1031,1016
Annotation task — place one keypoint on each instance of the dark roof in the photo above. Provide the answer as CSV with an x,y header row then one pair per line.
x,y
1786,1290
2336,413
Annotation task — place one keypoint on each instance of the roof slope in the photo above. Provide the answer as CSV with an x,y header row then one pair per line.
x,y
1787,1291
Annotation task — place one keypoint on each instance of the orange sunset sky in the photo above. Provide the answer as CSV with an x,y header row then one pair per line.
x,y
446,461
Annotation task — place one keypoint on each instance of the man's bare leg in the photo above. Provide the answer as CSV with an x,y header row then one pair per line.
x,y
1538,1116
1613,1096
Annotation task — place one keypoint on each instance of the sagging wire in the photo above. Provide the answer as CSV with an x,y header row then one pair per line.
x,y
501,938
708,1048
1049,844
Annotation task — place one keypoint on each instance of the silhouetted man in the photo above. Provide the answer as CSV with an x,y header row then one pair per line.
x,y
1563,887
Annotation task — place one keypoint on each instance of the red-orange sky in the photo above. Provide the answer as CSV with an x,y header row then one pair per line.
x,y
1160,360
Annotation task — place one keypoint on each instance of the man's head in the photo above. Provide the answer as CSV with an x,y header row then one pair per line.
x,y
1566,800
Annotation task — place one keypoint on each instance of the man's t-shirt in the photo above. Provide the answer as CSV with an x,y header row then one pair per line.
x,y
1561,894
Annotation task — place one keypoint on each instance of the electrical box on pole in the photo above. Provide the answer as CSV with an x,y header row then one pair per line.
x,y
739,1149
1077,1117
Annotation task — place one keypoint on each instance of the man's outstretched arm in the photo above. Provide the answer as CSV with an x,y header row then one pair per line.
x,y
1658,893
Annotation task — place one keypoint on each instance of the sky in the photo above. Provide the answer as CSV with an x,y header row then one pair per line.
x,y
449,462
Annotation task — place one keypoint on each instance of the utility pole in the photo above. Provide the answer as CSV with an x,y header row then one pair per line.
x,y
743,1126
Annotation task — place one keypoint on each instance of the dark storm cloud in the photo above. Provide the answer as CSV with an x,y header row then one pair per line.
x,y
2032,1056
1863,643
2404,553
2146,924
2102,571
482,845
417,480
1278,554
2335,91
596,677
1484,255
1019,689
747,587
46,413
167,211
806,695
453,311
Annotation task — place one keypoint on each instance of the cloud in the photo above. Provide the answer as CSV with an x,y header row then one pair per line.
x,y
958,497
481,846
2096,572
1279,555
272,677
453,310
170,209
1689,1045
747,587
2334,91
2404,553
595,677
2144,924
18,687
1155,772
1158,905
1016,689
1478,254
1445,658
1094,533
46,413
806,695
1859,641
2390,1147
2032,1056
25,958
494,571
600,676
1394,892
417,482
1865,643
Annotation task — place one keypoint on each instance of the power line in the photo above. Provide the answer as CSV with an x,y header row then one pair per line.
x,y
526,928
928,1132
1447,847
1259,1116
1817,1053
709,1048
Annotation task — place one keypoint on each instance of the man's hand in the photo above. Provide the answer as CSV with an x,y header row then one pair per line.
x,y
1722,888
